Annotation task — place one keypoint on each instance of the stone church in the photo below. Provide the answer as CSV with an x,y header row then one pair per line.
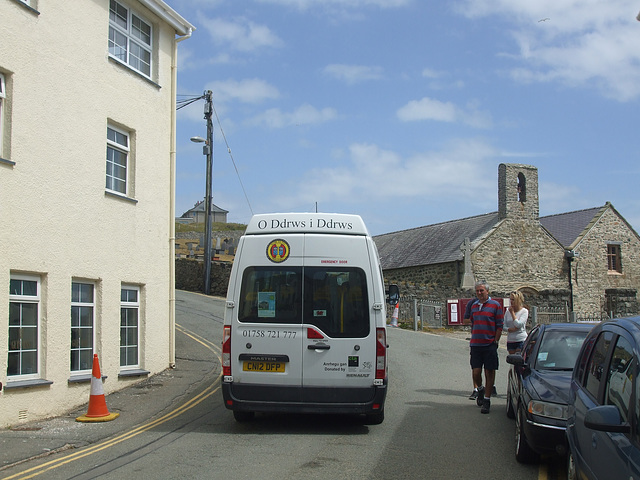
x,y
586,261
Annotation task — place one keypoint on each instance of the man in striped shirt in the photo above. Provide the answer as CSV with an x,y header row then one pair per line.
x,y
486,329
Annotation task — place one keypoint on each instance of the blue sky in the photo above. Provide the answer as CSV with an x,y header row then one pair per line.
x,y
402,110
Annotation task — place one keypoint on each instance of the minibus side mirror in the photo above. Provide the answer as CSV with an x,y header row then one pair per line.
x,y
394,294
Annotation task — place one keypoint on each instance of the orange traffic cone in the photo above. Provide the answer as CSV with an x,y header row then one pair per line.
x,y
394,315
97,411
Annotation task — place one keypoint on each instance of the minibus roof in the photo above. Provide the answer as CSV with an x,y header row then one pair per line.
x,y
333,223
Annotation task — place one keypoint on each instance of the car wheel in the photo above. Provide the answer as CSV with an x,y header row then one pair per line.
x,y
524,453
510,411
242,416
572,474
374,418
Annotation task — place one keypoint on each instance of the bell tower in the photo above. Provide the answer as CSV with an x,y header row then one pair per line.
x,y
518,191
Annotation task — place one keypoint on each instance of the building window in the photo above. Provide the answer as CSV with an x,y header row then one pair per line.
x,y
129,326
3,99
117,160
24,325
82,318
613,258
129,38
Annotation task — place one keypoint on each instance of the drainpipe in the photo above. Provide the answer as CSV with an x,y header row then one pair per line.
x,y
172,202
570,255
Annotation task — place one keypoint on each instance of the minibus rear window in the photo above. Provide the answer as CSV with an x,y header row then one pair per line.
x,y
271,295
335,301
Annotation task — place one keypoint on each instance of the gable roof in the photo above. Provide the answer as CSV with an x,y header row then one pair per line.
x,y
568,227
432,244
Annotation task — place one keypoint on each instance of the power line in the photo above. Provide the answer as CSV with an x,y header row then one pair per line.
x,y
232,159
187,101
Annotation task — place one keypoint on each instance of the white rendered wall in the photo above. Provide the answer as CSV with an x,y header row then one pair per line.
x,y
57,221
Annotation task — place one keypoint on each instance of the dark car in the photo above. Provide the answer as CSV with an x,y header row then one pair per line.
x,y
603,430
538,388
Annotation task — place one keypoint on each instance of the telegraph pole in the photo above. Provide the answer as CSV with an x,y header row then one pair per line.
x,y
208,148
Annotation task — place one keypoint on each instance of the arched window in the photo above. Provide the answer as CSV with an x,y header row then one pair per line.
x,y
522,188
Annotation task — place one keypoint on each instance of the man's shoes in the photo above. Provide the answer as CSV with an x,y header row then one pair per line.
x,y
494,391
474,394
480,397
486,406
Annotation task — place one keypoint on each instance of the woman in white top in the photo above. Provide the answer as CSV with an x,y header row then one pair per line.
x,y
515,322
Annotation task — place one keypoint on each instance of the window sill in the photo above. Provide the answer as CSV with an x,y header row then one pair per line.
x,y
135,72
613,272
120,196
83,378
133,373
38,382
6,162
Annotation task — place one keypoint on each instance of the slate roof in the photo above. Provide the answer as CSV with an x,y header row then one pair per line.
x,y
200,207
431,244
566,228
440,243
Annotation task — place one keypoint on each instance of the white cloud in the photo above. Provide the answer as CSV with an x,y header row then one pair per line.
x,y
303,115
431,109
353,74
427,109
372,171
589,43
240,34
430,73
251,90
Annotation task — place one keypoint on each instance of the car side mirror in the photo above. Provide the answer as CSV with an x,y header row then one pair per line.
x,y
394,294
606,418
515,359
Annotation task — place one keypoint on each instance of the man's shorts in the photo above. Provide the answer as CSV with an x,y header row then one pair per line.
x,y
486,357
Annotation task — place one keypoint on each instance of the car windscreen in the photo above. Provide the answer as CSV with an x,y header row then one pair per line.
x,y
559,349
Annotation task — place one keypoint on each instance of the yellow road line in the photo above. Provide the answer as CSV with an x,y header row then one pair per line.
x,y
201,340
213,388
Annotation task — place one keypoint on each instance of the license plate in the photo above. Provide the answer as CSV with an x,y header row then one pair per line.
x,y
266,367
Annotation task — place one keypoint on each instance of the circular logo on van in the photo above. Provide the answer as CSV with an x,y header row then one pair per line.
x,y
278,251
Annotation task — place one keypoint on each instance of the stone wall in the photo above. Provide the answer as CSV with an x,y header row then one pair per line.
x,y
520,254
190,274
546,299
440,274
595,288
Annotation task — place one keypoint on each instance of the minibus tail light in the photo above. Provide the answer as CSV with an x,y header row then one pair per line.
x,y
226,351
381,354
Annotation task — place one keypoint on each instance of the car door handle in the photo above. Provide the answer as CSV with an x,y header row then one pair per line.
x,y
318,347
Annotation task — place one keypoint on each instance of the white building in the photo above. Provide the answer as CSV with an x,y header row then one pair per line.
x,y
87,180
